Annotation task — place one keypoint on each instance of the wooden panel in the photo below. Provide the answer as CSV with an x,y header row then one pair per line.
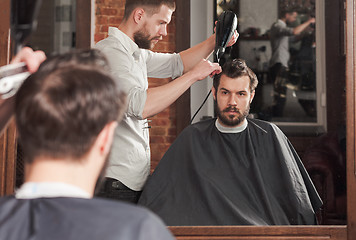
x,y
252,232
4,31
8,160
351,103
183,42
83,24
7,167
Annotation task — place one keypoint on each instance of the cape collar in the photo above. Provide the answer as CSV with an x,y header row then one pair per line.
x,y
238,129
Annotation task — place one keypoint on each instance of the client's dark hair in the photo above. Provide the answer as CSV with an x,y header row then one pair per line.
x,y
151,6
61,109
235,68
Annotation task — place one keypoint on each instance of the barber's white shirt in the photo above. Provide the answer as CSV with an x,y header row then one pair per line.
x,y
31,190
130,155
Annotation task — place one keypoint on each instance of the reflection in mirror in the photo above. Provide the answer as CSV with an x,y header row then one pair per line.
x,y
56,27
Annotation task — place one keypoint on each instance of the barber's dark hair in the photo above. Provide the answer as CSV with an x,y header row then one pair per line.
x,y
285,10
61,109
235,68
150,6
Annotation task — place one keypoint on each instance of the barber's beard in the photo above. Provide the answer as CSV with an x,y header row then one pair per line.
x,y
143,40
231,120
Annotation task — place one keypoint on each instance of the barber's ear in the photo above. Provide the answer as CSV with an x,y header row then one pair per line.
x,y
138,14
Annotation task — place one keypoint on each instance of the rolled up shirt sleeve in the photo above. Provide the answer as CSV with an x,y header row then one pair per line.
x,y
129,79
164,65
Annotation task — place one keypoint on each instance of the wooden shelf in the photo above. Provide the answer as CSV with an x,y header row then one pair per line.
x,y
253,38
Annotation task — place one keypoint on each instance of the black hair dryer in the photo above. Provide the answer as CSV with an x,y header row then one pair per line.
x,y
23,20
225,27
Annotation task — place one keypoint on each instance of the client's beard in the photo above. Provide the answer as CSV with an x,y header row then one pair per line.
x,y
229,121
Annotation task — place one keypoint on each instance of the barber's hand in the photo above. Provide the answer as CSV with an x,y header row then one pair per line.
x,y
205,68
311,20
233,39
33,59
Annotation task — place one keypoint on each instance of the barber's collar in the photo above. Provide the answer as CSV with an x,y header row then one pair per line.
x,y
238,129
282,22
131,47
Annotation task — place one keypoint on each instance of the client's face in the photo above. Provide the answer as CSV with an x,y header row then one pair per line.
x,y
233,99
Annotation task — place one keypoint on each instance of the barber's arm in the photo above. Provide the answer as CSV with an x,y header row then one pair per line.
x,y
195,54
32,59
159,98
300,28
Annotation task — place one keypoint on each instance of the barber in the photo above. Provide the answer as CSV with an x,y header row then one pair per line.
x,y
132,62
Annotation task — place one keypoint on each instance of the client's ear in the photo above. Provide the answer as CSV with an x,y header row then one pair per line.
x,y
214,92
105,138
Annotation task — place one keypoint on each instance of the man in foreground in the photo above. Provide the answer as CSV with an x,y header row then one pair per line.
x,y
232,170
131,63
66,114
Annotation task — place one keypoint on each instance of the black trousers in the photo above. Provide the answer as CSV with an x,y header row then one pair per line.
x,y
279,75
114,189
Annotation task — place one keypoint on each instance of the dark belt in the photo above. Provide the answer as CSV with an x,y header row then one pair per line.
x,y
114,183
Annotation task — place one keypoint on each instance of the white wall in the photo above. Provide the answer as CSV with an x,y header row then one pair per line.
x,y
256,13
202,26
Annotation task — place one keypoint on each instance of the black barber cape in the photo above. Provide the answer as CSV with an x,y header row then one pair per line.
x,y
254,177
77,219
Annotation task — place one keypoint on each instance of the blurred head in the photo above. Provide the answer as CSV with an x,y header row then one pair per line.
x,y
289,15
152,17
61,109
233,91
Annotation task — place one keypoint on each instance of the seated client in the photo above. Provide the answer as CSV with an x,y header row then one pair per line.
x,y
232,170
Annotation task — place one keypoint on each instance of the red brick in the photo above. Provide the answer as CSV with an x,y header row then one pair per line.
x,y
158,130
100,20
115,20
108,11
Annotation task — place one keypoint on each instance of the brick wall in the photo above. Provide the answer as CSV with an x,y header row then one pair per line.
x,y
163,125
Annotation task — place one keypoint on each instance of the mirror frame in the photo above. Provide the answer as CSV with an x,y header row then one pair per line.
x,y
8,141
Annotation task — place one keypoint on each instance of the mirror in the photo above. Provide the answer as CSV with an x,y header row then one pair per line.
x,y
56,29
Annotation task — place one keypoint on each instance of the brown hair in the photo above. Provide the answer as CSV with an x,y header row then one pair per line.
x,y
151,6
61,109
236,68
